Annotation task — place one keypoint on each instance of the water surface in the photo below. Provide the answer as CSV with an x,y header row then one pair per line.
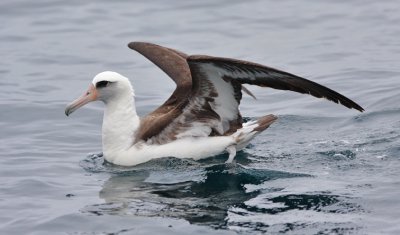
x,y
320,169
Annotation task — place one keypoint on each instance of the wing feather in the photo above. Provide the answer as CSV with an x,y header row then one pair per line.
x,y
209,90
174,64
255,74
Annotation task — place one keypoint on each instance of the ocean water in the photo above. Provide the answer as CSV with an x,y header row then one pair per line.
x,y
320,169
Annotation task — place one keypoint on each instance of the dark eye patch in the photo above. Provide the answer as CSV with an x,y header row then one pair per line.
x,y
102,84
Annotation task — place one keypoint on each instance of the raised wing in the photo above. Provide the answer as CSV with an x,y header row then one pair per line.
x,y
174,64
210,106
255,74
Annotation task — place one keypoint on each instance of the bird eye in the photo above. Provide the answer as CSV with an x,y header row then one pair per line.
x,y
102,84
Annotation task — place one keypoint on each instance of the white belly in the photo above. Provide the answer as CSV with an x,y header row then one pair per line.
x,y
194,148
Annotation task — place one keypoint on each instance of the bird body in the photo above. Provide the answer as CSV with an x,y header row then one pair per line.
x,y
200,119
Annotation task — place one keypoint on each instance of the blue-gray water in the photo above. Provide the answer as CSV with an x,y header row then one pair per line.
x,y
320,169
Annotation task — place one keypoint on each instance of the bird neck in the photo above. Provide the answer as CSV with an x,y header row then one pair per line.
x,y
120,122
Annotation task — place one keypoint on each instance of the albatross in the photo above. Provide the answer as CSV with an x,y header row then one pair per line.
x,y
200,119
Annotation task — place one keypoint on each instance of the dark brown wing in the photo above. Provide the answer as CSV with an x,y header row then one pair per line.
x,y
255,74
174,64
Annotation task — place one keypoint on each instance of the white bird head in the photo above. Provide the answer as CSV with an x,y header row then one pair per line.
x,y
106,86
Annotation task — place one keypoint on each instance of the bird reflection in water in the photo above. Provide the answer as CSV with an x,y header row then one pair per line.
x,y
199,192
